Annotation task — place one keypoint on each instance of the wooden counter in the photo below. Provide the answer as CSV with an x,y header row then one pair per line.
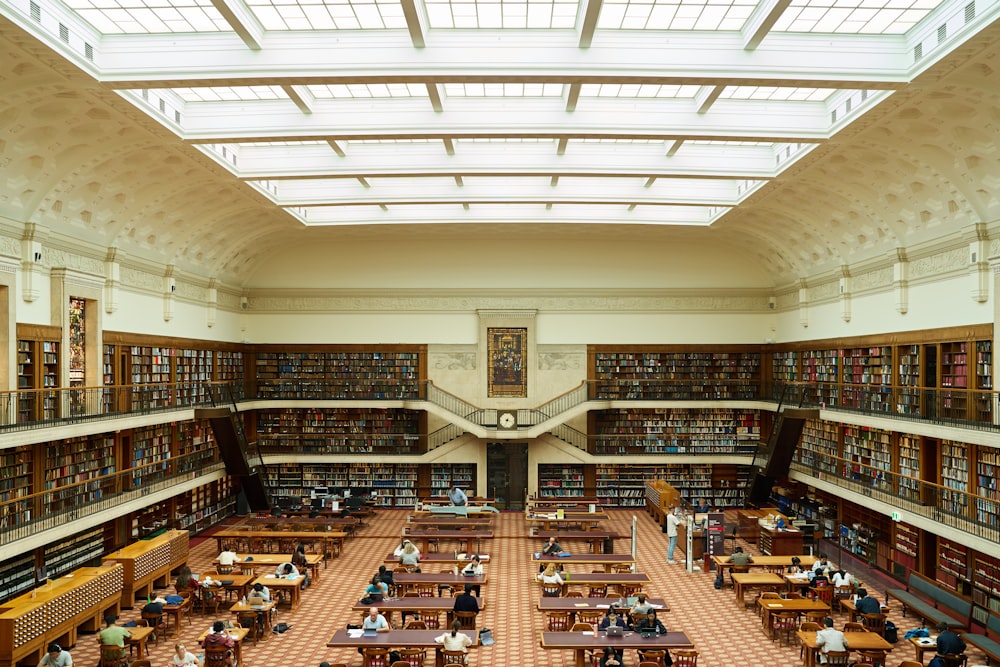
x,y
697,540
56,611
148,563
774,542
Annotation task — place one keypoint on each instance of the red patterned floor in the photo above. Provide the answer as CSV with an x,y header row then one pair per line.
x,y
726,635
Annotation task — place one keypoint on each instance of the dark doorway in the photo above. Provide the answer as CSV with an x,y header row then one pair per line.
x,y
507,473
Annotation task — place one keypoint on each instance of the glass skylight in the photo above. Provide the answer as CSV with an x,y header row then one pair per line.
x,y
231,93
503,89
113,17
367,90
316,15
881,17
776,93
502,14
637,90
675,14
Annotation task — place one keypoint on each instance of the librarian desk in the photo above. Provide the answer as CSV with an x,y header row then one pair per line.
x,y
856,641
582,642
769,607
748,522
56,611
237,635
623,580
408,580
587,521
577,605
608,561
762,580
281,585
148,564
461,536
271,561
399,639
440,559
418,604
600,541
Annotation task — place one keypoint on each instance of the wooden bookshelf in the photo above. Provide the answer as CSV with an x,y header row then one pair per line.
x,y
820,445
785,366
206,505
561,480
987,487
867,378
150,455
905,549
342,431
84,548
16,481
16,576
652,373
38,368
986,581
340,372
908,378
674,431
442,476
77,471
908,466
194,446
861,531
870,453
954,467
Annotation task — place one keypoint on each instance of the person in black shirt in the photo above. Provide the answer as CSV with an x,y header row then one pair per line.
x,y
865,604
466,601
949,643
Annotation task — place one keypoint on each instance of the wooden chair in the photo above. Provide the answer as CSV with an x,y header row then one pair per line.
x,y
874,622
655,656
372,656
953,659
630,590
874,657
621,568
808,626
766,595
155,621
842,593
785,623
467,619
793,596
574,594
592,617
815,616
250,620
415,625
248,568
454,657
597,590
582,627
823,594
838,658
400,663
426,590
113,656
208,600
552,590
910,663
558,621
854,626
685,658
431,619
414,657
224,569
218,656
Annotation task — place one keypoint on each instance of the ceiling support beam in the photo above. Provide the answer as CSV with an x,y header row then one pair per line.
x,y
573,96
242,21
590,11
411,12
674,147
449,145
706,97
336,148
434,93
761,21
303,99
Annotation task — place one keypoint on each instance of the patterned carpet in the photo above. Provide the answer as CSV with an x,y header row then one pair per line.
x,y
725,635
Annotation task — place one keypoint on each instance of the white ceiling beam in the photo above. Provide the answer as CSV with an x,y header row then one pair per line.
x,y
434,93
414,22
706,96
561,147
336,148
573,96
449,145
738,120
301,96
554,181
674,147
852,61
364,182
459,181
590,12
242,21
763,18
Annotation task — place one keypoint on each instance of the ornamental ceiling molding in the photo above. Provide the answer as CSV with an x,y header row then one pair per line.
x,y
521,306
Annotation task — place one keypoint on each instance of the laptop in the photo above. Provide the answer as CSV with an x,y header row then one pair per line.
x,y
370,632
616,631
648,634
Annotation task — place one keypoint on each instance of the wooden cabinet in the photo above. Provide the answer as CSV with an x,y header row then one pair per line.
x,y
774,542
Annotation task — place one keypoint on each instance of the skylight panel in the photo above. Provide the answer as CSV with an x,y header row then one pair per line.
x,y
503,89
777,93
506,140
637,90
136,17
676,14
884,17
392,141
493,14
231,93
367,90
617,141
317,15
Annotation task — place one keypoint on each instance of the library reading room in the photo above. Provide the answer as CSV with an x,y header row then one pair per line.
x,y
693,368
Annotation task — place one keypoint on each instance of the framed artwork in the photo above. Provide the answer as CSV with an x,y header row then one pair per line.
x,y
507,351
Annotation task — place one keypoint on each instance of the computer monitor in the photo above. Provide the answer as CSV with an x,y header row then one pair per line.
x,y
701,519
317,503
320,492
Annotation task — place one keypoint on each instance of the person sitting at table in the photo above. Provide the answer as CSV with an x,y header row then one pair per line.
x,y
552,547
652,624
377,589
740,560
841,579
184,658
300,561
375,621
822,563
819,578
185,583
219,637
465,601
259,592
549,576
865,604
385,575
458,497
227,558
610,657
641,606
474,568
829,639
286,571
454,640
948,642
409,555
55,656
114,635
612,619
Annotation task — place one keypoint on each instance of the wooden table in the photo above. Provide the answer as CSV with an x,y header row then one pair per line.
x,y
605,578
769,607
407,580
440,559
265,610
274,560
399,638
424,519
579,503
421,604
332,540
148,564
596,538
291,586
607,560
240,582
574,605
776,564
237,635
581,642
138,640
460,535
852,611
347,524
856,641
922,645
587,520
763,580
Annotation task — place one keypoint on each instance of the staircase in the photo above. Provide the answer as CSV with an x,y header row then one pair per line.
x,y
233,447
775,457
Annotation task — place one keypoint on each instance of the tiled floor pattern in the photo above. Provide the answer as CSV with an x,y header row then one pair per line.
x,y
726,635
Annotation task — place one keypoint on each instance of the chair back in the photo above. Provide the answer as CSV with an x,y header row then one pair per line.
x,y
574,594
217,656
375,657
454,657
839,658
597,590
430,618
427,590
953,659
656,656
558,620
810,626
552,590
467,619
685,658
413,657
630,590
224,569
823,593
248,619
592,617
873,656
113,656
582,627
415,625
874,622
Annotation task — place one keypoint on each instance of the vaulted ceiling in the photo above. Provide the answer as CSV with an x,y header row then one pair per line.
x,y
802,134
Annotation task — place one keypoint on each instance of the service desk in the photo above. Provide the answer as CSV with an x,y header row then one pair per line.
x,y
147,564
582,642
748,522
785,542
56,611
697,541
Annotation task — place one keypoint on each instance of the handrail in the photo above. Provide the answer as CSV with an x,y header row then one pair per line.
x,y
451,403
565,401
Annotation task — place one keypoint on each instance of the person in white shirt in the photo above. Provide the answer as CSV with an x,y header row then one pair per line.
x,y
375,621
841,579
673,520
287,571
550,577
474,567
184,658
829,639
227,558
454,640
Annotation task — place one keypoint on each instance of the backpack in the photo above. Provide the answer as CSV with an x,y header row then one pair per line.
x,y
891,632
281,628
719,580
486,637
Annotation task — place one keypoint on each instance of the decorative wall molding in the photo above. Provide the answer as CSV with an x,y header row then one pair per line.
x,y
561,357
458,358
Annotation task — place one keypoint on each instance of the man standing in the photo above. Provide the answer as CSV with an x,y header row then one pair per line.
x,y
672,522
829,639
458,497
